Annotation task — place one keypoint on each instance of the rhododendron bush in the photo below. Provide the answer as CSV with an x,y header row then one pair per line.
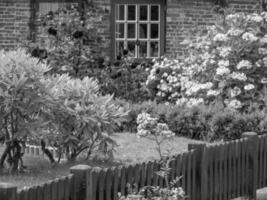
x,y
227,64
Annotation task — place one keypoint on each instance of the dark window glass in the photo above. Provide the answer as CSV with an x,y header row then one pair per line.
x,y
154,13
119,30
130,30
143,13
154,31
131,12
154,49
143,31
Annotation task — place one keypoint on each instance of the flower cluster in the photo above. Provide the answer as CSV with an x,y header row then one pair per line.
x,y
227,63
148,125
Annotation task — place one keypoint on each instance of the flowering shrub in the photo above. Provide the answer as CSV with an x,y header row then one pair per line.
x,y
225,64
71,39
148,125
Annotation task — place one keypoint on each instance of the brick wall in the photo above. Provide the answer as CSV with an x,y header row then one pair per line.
x,y
184,16
14,22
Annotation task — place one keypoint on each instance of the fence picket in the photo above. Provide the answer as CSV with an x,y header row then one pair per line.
x,y
225,172
193,193
39,193
143,175
101,185
215,167
260,174
211,174
188,171
264,160
123,181
54,187
115,183
61,188
156,168
149,173
109,177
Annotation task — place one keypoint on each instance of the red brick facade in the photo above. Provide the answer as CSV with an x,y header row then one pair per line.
x,y
181,17
14,22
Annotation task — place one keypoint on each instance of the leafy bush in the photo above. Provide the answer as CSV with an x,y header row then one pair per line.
x,y
208,123
68,113
86,119
72,40
23,103
226,63
125,79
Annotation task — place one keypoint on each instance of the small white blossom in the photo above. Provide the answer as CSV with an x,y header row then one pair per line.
x,y
213,92
222,71
254,18
250,37
220,37
264,80
249,87
234,104
244,64
238,76
235,92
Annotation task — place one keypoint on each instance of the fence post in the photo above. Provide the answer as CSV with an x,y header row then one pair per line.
x,y
253,163
8,191
201,173
81,176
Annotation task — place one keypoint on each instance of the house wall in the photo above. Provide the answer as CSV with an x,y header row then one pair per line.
x,y
14,22
185,16
182,17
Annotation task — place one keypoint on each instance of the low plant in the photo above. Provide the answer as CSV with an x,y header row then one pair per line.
x,y
158,133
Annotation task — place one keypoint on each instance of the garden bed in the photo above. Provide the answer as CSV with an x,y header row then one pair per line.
x,y
130,150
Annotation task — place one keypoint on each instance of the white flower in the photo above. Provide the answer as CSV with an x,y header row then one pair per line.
x,y
181,101
234,32
222,70
220,37
244,64
223,63
213,92
265,61
235,92
263,40
194,102
164,74
249,37
234,104
254,18
224,51
262,51
249,87
264,80
238,76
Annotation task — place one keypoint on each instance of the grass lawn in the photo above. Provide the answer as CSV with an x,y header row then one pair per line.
x,y
130,150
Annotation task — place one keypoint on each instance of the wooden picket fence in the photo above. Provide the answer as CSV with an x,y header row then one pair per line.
x,y
209,172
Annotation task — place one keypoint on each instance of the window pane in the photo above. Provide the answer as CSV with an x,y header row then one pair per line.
x,y
143,31
120,12
119,30
131,48
119,49
130,30
154,49
154,31
154,13
143,49
143,13
131,12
